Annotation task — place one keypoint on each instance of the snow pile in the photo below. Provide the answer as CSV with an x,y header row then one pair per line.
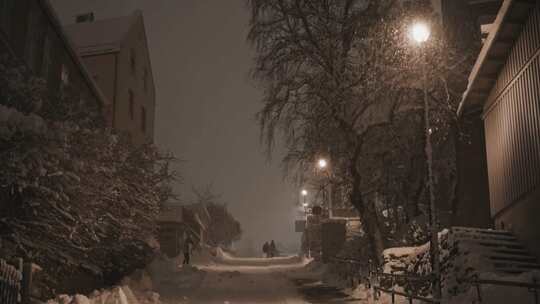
x,y
117,295
167,275
142,286
205,256
415,260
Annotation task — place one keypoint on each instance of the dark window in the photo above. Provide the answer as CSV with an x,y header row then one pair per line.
x,y
132,61
145,80
131,105
46,60
6,11
34,39
88,17
143,119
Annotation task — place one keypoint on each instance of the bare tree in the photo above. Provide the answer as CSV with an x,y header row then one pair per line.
x,y
336,73
224,229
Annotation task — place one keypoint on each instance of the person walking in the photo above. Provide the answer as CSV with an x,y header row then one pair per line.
x,y
188,247
272,249
266,249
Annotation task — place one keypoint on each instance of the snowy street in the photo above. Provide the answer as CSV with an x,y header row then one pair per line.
x,y
254,280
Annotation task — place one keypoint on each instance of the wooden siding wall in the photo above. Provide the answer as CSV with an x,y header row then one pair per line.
x,y
512,122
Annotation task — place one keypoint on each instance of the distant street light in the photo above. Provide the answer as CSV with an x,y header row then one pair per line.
x,y
304,193
322,163
420,33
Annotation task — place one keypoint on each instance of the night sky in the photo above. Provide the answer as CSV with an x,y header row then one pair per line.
x,y
206,105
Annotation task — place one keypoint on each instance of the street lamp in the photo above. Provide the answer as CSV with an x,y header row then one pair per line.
x,y
304,193
420,33
322,163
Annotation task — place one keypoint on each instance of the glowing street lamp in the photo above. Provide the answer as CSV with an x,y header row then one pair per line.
x,y
322,163
420,33
304,194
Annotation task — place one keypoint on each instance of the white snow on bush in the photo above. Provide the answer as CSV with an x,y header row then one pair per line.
x,y
12,120
117,295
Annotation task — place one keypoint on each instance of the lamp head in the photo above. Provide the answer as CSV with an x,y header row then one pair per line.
x,y
304,192
322,163
420,32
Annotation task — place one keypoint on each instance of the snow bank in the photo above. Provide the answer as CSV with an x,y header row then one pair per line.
x,y
206,256
223,257
117,295
167,275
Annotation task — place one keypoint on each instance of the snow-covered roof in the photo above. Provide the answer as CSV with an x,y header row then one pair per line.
x,y
494,54
101,36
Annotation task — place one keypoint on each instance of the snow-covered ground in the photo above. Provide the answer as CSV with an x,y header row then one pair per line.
x,y
243,280
222,279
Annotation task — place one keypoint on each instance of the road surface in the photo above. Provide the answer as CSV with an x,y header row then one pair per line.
x,y
254,280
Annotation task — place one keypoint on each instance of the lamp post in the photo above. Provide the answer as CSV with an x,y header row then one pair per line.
x,y
420,33
322,164
304,193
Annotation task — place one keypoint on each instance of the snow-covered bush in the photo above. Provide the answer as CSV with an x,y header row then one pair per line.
x,y
75,198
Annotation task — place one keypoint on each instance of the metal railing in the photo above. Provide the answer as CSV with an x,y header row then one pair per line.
x,y
410,280
10,283
532,287
408,296
370,275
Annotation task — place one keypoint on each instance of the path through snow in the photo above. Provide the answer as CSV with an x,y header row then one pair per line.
x,y
246,280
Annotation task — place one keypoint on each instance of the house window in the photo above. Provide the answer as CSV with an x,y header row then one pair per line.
x,y
88,17
145,80
34,39
132,61
143,119
46,61
6,11
131,105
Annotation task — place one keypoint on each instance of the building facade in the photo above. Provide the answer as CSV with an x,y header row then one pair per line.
x,y
116,53
504,88
31,34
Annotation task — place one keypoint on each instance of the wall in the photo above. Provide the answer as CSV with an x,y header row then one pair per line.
x,y
512,124
471,207
127,80
102,68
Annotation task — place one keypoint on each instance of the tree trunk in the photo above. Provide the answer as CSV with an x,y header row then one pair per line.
x,y
368,218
